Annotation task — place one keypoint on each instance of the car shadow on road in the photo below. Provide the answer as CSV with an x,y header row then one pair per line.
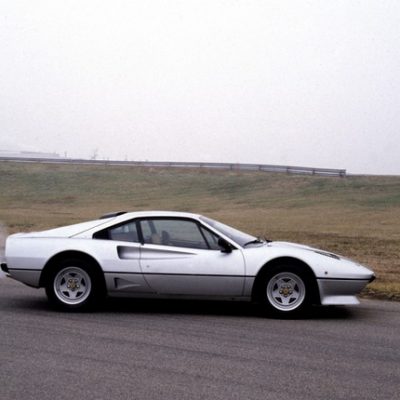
x,y
216,308
176,307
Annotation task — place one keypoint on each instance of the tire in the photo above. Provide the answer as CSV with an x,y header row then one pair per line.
x,y
74,284
286,291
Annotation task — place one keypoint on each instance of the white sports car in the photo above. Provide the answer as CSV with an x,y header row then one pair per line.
x,y
180,255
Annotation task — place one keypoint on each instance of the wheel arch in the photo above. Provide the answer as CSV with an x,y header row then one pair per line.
x,y
71,254
276,263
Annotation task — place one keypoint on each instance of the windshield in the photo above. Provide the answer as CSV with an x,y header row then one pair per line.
x,y
237,236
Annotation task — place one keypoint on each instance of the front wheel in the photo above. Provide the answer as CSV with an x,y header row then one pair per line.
x,y
73,285
286,292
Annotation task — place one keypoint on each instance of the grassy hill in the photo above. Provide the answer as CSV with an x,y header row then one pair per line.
x,y
357,216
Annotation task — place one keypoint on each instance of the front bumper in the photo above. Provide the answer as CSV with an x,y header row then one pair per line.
x,y
341,291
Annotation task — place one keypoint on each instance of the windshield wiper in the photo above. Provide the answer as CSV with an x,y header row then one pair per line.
x,y
255,241
258,240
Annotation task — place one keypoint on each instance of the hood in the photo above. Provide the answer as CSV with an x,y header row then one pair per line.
x,y
289,245
64,231
282,245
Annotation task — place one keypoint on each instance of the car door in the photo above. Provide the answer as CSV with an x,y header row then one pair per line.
x,y
120,249
180,257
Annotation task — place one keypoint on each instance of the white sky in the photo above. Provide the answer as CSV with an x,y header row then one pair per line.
x,y
314,83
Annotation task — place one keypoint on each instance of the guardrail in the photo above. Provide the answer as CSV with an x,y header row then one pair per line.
x,y
175,164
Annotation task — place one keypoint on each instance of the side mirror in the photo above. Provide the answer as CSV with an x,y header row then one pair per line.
x,y
224,246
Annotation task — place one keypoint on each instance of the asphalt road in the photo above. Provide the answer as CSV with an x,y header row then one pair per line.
x,y
194,350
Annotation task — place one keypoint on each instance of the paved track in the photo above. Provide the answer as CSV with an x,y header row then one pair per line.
x,y
194,350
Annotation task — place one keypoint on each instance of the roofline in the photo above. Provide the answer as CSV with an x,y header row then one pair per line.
x,y
126,215
158,213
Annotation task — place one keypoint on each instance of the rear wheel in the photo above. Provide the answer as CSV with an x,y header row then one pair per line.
x,y
74,285
286,291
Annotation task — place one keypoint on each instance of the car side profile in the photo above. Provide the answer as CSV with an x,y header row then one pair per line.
x,y
178,255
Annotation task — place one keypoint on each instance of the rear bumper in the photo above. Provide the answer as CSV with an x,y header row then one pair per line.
x,y
341,291
30,277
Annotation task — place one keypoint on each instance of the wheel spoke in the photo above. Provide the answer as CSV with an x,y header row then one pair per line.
x,y
285,300
82,283
277,296
281,282
72,294
63,287
293,284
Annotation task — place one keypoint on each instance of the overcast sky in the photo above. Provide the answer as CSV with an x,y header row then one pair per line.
x,y
313,83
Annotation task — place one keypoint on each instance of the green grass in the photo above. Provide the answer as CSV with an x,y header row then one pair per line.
x,y
357,216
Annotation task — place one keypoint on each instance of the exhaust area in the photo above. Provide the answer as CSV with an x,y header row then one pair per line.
x,y
3,237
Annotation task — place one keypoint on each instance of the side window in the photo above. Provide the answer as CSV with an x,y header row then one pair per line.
x,y
211,238
173,232
124,233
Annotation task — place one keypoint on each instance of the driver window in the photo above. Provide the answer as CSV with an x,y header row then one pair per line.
x,y
173,232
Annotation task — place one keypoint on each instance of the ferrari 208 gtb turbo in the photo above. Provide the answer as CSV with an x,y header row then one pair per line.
x,y
178,255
